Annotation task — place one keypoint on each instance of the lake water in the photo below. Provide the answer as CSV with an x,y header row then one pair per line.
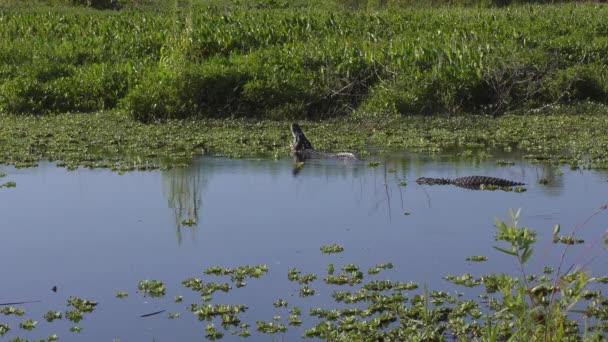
x,y
92,233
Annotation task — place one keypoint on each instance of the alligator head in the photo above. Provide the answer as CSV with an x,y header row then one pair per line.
x,y
300,143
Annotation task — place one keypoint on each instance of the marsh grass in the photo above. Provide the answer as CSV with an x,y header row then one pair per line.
x,y
283,61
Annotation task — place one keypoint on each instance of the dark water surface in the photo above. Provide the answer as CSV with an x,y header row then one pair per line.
x,y
94,232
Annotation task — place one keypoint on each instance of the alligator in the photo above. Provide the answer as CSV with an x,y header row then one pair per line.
x,y
302,149
470,182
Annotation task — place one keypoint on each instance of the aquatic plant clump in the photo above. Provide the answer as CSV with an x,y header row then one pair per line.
x,y
510,307
115,141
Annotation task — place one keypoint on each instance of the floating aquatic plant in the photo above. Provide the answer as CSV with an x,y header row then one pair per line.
x,y
332,249
280,303
477,258
121,294
154,288
211,333
270,327
8,185
306,291
28,325
52,315
9,310
4,328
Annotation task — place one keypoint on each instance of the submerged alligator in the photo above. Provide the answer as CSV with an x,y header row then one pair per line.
x,y
302,149
470,182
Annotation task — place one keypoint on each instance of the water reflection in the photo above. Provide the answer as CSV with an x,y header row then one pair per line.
x,y
183,190
551,177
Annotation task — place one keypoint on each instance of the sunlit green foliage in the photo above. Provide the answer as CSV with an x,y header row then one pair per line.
x,y
227,312
211,333
238,275
280,303
270,327
154,288
306,291
377,268
332,249
121,294
205,289
10,310
477,258
52,315
28,325
8,185
289,61
114,141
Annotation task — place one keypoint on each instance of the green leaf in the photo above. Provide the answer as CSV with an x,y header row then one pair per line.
x,y
510,252
526,255
556,229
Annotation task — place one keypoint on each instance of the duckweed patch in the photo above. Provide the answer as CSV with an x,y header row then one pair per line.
x,y
280,303
8,185
477,258
154,288
332,249
9,310
28,325
51,315
121,294
113,140
306,291
4,328
270,327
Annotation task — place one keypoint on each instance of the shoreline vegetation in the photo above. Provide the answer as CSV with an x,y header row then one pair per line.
x,y
147,86
150,86
115,140
285,61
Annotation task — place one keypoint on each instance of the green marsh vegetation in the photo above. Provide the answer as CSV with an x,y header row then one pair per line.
x,y
561,303
113,140
80,86
8,184
283,62
149,87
